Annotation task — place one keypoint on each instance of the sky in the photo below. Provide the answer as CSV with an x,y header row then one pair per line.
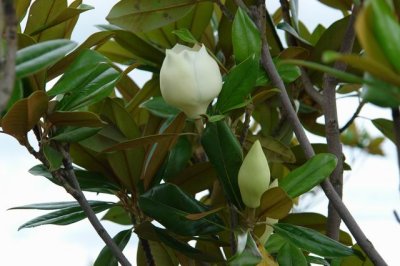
x,y
371,188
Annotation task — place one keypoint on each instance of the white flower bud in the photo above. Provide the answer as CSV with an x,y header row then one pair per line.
x,y
190,79
254,176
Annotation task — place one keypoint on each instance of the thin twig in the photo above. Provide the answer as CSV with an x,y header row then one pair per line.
x,y
7,65
396,129
351,120
330,192
77,193
246,125
227,13
332,126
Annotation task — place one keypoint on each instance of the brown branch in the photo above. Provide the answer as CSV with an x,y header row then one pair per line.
x,y
329,191
396,129
246,125
332,127
7,64
77,193
227,13
307,84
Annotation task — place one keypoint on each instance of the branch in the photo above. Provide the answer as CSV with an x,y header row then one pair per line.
x,y
396,129
355,115
330,192
227,13
308,86
332,126
7,67
77,193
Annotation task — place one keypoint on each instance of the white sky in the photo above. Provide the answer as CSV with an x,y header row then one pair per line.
x,y
371,189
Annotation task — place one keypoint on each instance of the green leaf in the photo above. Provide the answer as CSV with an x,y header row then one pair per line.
x,y
185,35
225,154
148,231
142,16
75,134
177,158
288,73
157,106
290,255
310,174
275,203
289,29
37,57
162,254
312,241
88,181
169,205
237,86
386,30
87,119
53,156
106,258
380,93
246,39
386,127
119,215
64,216
248,254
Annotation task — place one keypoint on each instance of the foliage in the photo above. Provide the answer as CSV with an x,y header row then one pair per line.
x,y
125,140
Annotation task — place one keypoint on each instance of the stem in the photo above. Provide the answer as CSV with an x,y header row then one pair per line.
x,y
7,65
246,125
227,13
355,115
77,193
330,192
396,128
332,127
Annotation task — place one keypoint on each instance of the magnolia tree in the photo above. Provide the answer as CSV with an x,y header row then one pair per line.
x,y
223,115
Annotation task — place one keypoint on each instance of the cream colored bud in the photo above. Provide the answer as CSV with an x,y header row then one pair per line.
x,y
190,79
254,176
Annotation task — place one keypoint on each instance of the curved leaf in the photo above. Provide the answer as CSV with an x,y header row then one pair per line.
x,y
142,16
310,174
170,206
25,114
106,258
36,57
312,241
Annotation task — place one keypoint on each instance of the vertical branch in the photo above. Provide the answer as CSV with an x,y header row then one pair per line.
x,y
329,191
332,127
396,128
7,64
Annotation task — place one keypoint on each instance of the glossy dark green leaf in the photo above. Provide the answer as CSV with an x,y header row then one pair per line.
x,y
148,231
317,222
290,255
48,206
75,134
119,215
169,205
157,106
142,16
245,37
54,157
64,216
309,175
37,57
88,181
225,154
385,126
289,29
106,258
318,261
380,93
237,86
177,158
312,241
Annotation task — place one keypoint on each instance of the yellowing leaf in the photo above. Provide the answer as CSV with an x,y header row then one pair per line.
x,y
25,114
275,203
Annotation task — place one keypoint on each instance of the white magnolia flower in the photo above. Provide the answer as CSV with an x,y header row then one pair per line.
x,y
190,79
254,176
